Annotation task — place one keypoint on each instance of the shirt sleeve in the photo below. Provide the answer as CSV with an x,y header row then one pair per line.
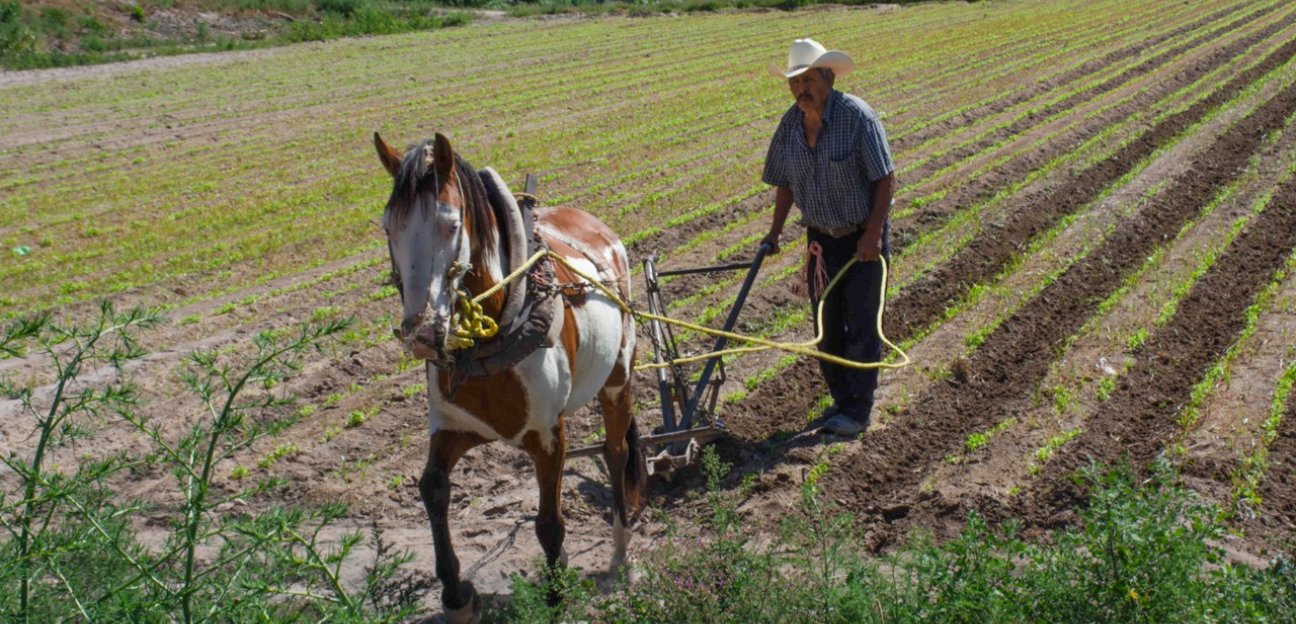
x,y
875,153
775,166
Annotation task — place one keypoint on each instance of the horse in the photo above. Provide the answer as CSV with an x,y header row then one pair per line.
x,y
448,239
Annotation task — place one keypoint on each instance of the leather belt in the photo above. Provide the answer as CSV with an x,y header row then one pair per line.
x,y
845,230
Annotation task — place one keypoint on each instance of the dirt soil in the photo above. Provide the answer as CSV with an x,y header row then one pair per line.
x,y
884,478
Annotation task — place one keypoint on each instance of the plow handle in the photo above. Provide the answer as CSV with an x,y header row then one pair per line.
x,y
686,419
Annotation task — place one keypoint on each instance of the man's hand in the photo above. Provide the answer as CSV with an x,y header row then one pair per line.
x,y
772,239
869,247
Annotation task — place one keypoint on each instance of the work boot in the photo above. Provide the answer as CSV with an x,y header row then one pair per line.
x,y
844,425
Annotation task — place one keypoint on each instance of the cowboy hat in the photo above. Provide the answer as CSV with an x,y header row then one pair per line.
x,y
808,53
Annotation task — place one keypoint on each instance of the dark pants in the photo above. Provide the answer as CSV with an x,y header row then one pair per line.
x,y
850,321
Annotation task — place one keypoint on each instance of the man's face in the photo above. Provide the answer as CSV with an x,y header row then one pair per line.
x,y
811,90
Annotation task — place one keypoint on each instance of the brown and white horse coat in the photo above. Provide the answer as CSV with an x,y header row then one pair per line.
x,y
444,237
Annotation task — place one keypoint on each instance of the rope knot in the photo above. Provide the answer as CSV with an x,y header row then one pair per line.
x,y
819,270
469,324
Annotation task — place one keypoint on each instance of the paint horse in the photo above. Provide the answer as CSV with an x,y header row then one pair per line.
x,y
452,233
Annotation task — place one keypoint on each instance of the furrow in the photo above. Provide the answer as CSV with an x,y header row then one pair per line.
x,y
922,301
1017,356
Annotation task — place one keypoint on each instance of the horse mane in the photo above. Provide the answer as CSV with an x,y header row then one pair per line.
x,y
416,178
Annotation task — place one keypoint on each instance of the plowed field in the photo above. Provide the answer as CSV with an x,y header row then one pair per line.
x,y
1094,246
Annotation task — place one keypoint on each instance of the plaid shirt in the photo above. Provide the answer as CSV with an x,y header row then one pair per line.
x,y
833,183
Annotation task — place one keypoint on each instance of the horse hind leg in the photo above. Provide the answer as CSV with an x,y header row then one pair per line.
x,y
624,457
459,598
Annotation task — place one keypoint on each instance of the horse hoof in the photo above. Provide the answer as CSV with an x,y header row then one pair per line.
x,y
471,612
623,569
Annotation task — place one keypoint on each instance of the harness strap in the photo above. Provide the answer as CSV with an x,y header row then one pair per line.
x,y
516,236
606,273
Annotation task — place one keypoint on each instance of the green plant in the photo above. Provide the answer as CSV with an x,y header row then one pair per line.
x,y
977,440
69,551
16,38
1141,550
345,8
330,433
1063,400
1045,453
360,417
110,341
279,452
413,389
1106,387
1137,339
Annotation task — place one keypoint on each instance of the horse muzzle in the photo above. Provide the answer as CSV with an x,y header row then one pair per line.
x,y
426,342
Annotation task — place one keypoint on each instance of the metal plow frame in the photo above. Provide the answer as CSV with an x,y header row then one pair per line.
x,y
676,443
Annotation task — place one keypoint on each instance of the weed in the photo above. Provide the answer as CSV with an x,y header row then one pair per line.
x,y
77,558
1141,551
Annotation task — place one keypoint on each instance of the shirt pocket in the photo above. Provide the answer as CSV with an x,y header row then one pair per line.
x,y
843,167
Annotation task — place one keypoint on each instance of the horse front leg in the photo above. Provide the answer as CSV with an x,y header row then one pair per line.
x,y
459,599
550,528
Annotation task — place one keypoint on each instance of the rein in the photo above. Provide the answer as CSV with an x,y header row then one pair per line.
x,y
800,348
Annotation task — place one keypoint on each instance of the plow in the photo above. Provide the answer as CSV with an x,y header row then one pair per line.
x,y
688,407
687,401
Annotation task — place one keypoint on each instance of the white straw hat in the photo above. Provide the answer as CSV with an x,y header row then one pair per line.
x,y
808,53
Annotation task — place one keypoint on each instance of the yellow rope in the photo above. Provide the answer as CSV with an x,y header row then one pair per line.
x,y
800,348
469,324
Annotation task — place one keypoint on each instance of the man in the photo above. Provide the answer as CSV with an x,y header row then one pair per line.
x,y
830,156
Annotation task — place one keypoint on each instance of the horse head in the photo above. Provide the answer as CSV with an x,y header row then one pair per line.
x,y
433,222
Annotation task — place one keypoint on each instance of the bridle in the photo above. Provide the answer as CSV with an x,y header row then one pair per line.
x,y
457,269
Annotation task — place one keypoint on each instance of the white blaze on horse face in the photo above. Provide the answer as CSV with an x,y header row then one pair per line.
x,y
425,245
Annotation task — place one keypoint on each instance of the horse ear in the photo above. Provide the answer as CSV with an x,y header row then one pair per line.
x,y
391,159
443,156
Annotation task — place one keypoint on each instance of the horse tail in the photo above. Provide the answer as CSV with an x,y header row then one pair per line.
x,y
636,470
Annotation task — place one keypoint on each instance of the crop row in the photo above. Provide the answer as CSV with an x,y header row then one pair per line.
x,y
331,162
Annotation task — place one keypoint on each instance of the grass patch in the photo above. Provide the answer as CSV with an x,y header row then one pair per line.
x,y
1142,551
